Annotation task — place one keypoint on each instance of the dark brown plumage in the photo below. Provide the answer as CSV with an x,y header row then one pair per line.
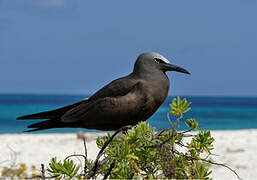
x,y
124,101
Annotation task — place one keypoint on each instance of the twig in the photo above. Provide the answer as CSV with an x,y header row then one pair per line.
x,y
178,119
85,157
93,170
42,176
186,131
181,144
185,135
39,176
160,132
81,155
43,171
158,145
109,170
75,155
211,162
210,154
173,129
168,117
12,159
109,140
224,165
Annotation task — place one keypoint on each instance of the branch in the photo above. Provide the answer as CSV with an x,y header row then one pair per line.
x,y
186,131
93,170
41,177
81,155
185,135
12,159
75,155
109,170
85,157
43,171
159,144
211,162
181,144
178,119
171,124
224,165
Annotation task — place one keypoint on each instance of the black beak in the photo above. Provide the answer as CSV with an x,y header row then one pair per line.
x,y
170,67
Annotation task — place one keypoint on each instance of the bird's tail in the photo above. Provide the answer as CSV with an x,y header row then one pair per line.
x,y
52,118
53,114
48,124
41,115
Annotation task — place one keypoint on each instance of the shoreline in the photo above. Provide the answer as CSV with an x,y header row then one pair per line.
x,y
235,148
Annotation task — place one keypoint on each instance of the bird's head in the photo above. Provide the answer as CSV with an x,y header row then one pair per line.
x,y
152,62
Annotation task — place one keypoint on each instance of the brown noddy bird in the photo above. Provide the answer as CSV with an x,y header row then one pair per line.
x,y
124,101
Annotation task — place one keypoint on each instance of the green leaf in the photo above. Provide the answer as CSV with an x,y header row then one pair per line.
x,y
179,107
192,124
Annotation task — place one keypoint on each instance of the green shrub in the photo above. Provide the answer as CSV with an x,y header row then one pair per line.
x,y
66,170
143,152
20,172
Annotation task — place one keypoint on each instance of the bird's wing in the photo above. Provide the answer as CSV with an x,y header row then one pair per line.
x,y
107,110
118,87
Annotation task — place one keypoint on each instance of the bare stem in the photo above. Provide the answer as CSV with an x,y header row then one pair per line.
x,y
109,170
224,165
93,170
43,171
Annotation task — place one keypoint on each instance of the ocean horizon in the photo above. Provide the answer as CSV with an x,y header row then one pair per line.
x,y
212,113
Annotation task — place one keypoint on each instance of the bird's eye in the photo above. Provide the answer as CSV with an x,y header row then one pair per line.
x,y
158,60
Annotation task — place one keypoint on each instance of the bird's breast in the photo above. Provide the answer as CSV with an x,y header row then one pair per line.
x,y
159,90
156,93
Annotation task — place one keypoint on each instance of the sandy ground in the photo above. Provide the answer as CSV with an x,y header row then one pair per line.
x,y
234,148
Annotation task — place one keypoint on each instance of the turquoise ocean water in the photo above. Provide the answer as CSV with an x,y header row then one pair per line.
x,y
213,113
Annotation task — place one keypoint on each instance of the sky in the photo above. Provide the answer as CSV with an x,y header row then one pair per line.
x,y
78,46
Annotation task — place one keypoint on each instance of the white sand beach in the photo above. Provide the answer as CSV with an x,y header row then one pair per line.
x,y
237,149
